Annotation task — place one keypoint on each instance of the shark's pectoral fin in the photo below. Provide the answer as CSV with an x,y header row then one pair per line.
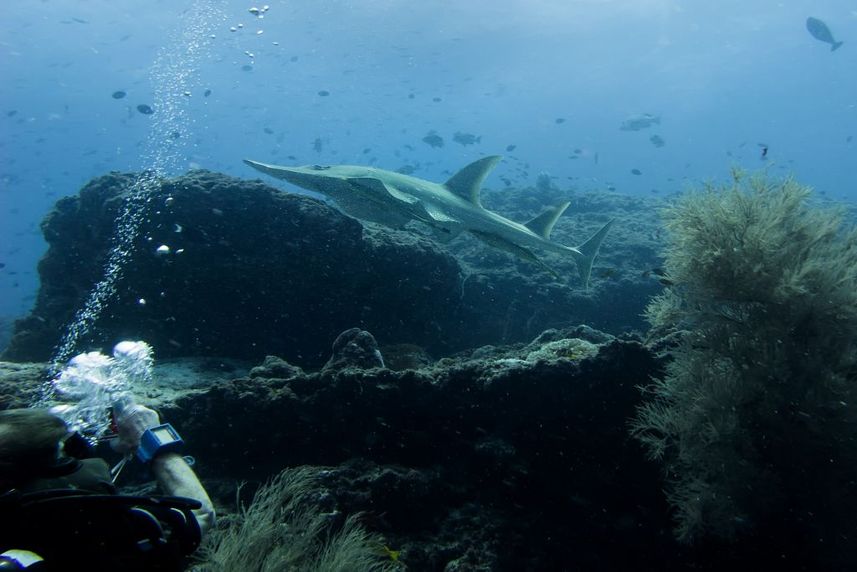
x,y
467,182
437,215
383,189
512,248
543,224
444,227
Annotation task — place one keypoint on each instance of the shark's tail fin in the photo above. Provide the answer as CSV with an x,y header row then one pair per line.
x,y
835,46
586,252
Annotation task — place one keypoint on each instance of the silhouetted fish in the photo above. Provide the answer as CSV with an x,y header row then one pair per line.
x,y
466,138
118,94
640,121
433,139
145,109
821,32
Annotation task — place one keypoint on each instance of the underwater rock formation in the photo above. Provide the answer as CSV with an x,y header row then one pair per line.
x,y
250,271
354,348
502,458
483,461
230,267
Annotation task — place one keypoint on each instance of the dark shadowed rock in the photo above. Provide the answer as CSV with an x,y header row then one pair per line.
x,y
251,271
354,348
274,367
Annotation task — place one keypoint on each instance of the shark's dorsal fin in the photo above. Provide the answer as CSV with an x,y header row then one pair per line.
x,y
543,224
467,182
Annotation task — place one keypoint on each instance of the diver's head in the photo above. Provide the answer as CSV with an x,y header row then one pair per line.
x,y
30,441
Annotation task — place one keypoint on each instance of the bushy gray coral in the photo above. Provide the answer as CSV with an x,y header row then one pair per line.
x,y
754,417
284,529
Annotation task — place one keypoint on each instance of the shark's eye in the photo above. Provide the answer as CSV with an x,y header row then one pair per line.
x,y
320,167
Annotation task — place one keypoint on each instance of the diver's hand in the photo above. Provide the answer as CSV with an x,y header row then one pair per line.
x,y
131,425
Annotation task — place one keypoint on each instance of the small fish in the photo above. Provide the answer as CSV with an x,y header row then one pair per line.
x,y
392,554
640,121
466,138
657,141
411,96
636,172
559,120
510,148
317,145
764,149
268,130
849,139
323,93
433,139
247,68
206,93
822,33
145,109
436,99
118,94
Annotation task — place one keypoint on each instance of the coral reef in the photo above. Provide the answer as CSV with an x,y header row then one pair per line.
x,y
754,420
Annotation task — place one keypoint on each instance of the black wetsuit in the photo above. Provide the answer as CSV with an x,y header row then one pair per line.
x,y
71,515
86,475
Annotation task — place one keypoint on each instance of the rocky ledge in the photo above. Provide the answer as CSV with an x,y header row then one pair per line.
x,y
501,458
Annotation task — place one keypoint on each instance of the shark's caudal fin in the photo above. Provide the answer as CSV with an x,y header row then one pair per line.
x,y
835,46
467,182
586,252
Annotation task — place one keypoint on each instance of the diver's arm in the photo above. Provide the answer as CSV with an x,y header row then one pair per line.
x,y
173,474
176,478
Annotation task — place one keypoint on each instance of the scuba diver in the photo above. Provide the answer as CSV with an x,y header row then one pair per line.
x,y
58,505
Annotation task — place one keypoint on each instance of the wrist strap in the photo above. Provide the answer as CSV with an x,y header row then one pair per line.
x,y
156,440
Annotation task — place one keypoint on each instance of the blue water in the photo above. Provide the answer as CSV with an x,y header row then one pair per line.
x,y
724,77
